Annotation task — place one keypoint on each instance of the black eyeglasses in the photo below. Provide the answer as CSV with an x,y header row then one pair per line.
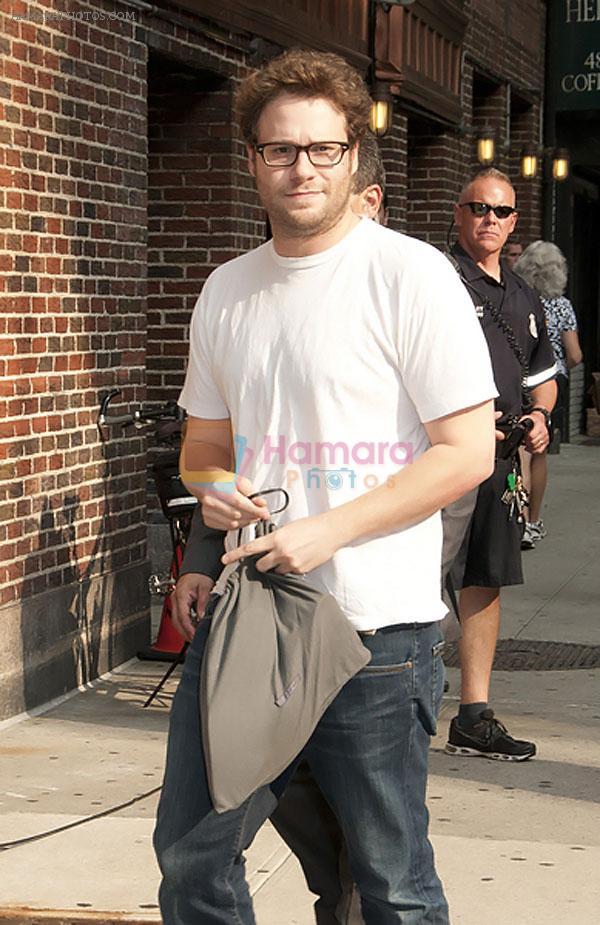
x,y
482,208
320,153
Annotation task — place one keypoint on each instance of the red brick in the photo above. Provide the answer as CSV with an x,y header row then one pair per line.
x,y
86,319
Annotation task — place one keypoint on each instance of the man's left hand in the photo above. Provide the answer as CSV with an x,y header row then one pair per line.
x,y
298,547
537,439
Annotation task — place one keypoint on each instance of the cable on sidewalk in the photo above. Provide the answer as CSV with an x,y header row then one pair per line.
x,y
7,845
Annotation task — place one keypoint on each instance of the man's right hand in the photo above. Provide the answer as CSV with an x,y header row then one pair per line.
x,y
191,590
207,457
233,510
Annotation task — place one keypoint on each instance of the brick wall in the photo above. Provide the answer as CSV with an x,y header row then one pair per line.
x,y
576,410
74,194
75,322
506,38
435,176
183,179
503,46
121,186
202,207
394,152
490,109
525,130
73,229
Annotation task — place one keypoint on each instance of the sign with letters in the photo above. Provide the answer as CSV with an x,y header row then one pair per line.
x,y
574,55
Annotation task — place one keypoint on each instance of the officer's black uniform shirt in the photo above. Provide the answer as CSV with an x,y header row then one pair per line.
x,y
521,308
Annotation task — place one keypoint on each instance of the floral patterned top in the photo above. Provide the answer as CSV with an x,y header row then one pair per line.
x,y
560,316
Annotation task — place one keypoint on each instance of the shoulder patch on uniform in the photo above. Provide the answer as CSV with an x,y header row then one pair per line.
x,y
533,325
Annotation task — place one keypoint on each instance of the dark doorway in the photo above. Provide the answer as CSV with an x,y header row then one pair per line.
x,y
585,268
189,142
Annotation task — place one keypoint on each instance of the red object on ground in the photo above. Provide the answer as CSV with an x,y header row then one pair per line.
x,y
169,642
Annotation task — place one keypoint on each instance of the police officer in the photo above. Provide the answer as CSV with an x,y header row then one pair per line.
x,y
524,369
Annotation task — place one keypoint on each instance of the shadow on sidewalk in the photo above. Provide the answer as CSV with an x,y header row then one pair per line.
x,y
117,702
544,776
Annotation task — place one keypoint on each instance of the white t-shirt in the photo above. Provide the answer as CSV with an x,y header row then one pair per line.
x,y
327,366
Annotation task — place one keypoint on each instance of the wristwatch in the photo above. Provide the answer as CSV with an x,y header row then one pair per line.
x,y
545,412
547,418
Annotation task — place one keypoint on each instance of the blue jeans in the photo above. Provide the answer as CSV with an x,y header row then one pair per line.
x,y
368,755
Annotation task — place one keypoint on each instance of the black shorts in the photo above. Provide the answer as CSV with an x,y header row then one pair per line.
x,y
559,412
490,556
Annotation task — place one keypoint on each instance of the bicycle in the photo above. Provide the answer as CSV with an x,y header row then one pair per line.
x,y
178,507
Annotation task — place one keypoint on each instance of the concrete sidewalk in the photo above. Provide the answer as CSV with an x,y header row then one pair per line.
x,y
516,843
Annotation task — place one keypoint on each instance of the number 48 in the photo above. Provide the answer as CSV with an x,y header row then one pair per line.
x,y
593,60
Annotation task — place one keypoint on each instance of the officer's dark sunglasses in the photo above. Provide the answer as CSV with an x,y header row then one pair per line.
x,y
482,208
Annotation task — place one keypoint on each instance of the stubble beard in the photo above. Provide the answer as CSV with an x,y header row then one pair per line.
x,y
307,224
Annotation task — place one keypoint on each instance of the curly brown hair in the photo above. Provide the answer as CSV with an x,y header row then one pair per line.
x,y
307,74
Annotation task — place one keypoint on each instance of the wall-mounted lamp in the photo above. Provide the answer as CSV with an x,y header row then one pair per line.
x,y
486,148
382,109
529,162
532,156
560,164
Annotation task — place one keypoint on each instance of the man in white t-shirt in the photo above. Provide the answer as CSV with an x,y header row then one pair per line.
x,y
343,362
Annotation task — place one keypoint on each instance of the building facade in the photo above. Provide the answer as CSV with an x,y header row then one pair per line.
x,y
123,184
572,208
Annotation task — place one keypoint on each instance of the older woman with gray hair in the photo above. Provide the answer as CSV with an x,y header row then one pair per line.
x,y
544,267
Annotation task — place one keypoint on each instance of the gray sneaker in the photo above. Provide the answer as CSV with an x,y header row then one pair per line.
x,y
528,539
538,529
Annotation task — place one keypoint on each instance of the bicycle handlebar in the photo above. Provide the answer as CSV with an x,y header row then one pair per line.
x,y
117,419
141,416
